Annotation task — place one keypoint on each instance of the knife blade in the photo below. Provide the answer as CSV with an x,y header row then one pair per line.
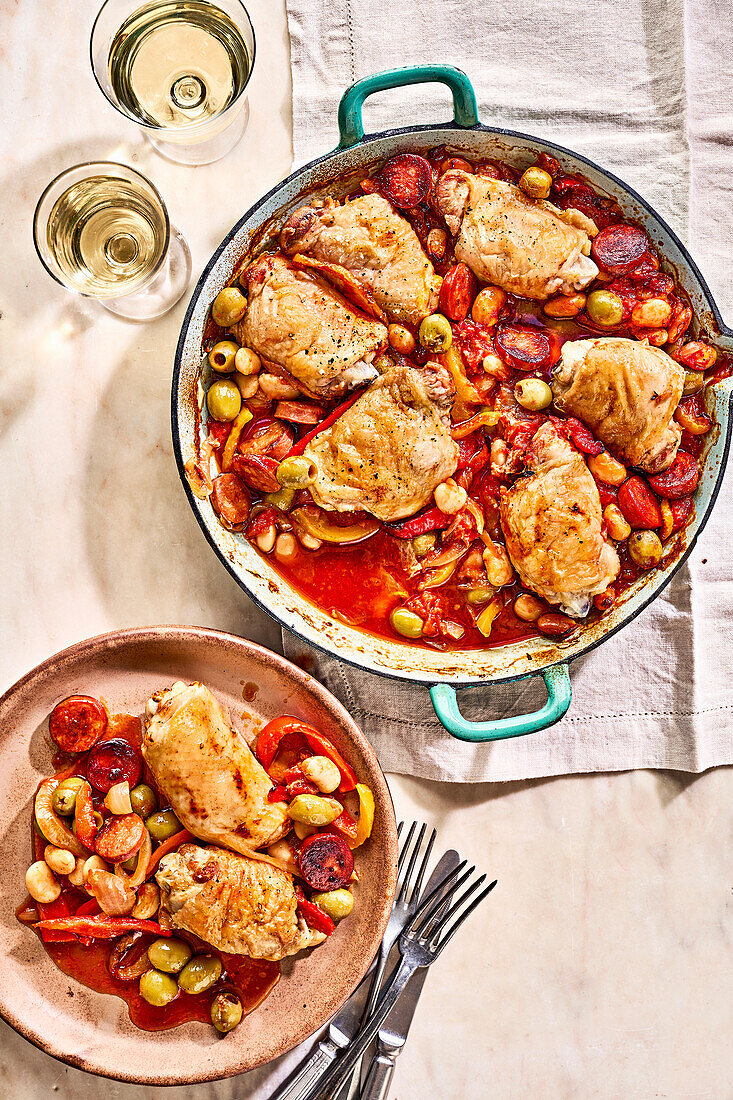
x,y
393,1034
346,1023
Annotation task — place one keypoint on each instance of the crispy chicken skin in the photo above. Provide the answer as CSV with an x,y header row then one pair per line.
x,y
627,393
387,453
527,246
215,785
379,247
552,525
236,904
298,322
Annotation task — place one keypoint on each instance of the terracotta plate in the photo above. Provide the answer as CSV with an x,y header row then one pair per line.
x,y
92,1030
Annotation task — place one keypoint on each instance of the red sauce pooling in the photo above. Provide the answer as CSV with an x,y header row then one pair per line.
x,y
251,979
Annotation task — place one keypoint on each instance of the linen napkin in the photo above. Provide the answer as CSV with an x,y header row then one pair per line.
x,y
645,87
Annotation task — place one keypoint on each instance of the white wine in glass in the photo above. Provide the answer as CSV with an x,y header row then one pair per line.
x,y
179,69
103,231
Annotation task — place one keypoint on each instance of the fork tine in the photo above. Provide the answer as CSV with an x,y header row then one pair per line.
x,y
441,902
421,873
450,932
435,898
411,865
405,847
457,904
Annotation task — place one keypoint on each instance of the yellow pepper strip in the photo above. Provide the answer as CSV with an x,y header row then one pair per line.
x,y
485,620
486,418
465,390
366,814
230,446
436,577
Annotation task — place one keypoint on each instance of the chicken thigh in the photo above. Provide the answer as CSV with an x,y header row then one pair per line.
x,y
626,392
552,525
379,247
527,246
297,322
239,905
387,453
216,787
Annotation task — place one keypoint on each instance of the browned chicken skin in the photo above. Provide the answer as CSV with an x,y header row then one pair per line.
x,y
527,246
387,453
626,392
239,905
215,785
552,525
298,322
379,247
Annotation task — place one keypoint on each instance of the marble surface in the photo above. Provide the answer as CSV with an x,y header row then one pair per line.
x,y
601,965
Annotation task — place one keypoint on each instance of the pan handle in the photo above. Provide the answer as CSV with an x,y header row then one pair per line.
x,y
557,682
351,126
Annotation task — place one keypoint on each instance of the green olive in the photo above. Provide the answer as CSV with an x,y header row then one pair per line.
x,y
533,394
435,333
226,1011
479,595
158,989
163,825
311,809
296,472
143,801
645,549
604,307
224,400
200,974
536,183
282,499
170,955
64,797
406,623
222,356
229,306
130,864
694,380
336,903
423,544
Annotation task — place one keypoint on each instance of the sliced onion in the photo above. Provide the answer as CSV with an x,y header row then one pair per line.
x,y
138,876
281,864
200,484
437,577
51,824
114,897
478,515
446,557
321,528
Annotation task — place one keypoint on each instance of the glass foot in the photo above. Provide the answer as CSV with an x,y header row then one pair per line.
x,y
167,286
204,152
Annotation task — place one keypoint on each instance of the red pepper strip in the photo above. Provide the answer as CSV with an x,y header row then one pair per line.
x,y
88,908
52,910
346,825
86,826
432,520
277,794
102,927
314,917
300,786
300,446
272,734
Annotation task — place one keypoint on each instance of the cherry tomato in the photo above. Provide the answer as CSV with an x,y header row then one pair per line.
x,y
325,861
77,723
524,348
457,292
619,248
679,480
120,838
405,180
111,762
638,503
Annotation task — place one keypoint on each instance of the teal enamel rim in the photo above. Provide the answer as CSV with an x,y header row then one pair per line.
x,y
351,126
559,694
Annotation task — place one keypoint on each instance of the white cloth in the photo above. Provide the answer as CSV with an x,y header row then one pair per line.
x,y
645,87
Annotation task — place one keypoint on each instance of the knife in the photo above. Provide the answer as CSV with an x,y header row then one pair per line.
x,y
393,1034
347,1021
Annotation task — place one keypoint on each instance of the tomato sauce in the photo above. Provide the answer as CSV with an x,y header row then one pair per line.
x,y
362,584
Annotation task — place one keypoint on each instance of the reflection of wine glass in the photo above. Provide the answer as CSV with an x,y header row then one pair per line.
x,y
179,69
103,230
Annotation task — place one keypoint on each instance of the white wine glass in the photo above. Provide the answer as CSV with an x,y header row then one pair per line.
x,y
179,69
102,230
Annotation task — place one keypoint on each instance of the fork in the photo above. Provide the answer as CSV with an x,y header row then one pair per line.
x,y
431,928
406,898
